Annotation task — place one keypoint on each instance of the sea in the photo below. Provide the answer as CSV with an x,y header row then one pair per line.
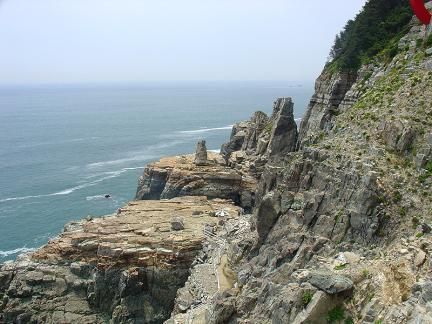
x,y
64,147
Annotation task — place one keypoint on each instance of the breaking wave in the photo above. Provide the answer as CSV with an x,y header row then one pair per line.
x,y
22,250
205,130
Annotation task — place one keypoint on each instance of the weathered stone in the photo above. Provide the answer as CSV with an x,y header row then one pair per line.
x,y
177,224
221,311
317,310
178,176
330,282
267,215
129,276
201,153
283,138
427,292
328,100
420,258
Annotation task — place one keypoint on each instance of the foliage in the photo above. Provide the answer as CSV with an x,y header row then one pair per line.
x,y
397,197
428,172
340,266
307,297
365,273
335,315
378,27
269,127
428,41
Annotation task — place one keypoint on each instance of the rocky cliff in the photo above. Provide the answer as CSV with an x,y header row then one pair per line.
x,y
123,268
340,232
329,223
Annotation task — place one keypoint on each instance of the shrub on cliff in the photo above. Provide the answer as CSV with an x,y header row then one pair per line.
x,y
378,26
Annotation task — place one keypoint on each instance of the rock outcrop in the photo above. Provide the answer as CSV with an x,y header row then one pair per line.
x,y
121,268
201,153
283,137
180,176
253,142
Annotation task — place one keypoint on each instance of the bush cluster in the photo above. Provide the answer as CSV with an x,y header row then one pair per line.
x,y
377,28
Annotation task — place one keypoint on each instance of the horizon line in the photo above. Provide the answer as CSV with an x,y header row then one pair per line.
x,y
89,83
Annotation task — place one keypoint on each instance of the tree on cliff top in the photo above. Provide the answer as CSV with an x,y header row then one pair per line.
x,y
376,27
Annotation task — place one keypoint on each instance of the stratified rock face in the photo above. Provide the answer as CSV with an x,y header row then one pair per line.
x,y
151,184
180,176
124,268
253,142
330,94
283,138
201,154
246,136
343,215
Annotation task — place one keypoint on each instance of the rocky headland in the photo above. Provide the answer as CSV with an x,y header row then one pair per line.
x,y
326,223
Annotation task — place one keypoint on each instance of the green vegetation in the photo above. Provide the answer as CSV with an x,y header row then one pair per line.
x,y
336,315
307,298
365,274
397,197
340,267
349,320
427,174
428,42
269,127
376,29
419,235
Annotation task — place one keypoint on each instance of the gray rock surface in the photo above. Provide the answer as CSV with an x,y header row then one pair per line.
x,y
201,153
330,282
283,137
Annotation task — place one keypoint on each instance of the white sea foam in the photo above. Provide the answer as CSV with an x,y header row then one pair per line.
x,y
298,119
147,153
109,175
22,250
214,151
97,197
120,161
205,130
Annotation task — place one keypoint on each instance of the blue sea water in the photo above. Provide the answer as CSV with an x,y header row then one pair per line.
x,y
62,148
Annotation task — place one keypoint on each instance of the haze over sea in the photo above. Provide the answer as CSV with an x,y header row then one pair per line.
x,y
62,148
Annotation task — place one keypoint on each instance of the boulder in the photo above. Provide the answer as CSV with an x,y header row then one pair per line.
x,y
329,282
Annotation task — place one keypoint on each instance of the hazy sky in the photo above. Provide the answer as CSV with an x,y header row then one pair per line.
x,y
69,41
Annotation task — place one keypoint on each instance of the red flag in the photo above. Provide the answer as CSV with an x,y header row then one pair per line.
x,y
420,11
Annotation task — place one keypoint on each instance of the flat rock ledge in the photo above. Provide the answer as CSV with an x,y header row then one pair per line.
x,y
118,268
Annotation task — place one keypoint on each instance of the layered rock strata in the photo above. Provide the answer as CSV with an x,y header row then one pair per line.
x,y
180,176
121,268
341,228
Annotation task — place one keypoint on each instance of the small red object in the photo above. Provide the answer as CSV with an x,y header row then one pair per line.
x,y
421,12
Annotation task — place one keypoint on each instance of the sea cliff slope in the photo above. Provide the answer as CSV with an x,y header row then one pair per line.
x,y
328,223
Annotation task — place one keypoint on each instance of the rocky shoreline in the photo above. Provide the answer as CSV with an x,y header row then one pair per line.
x,y
328,223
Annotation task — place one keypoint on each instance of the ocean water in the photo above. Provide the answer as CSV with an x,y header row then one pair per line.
x,y
62,148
